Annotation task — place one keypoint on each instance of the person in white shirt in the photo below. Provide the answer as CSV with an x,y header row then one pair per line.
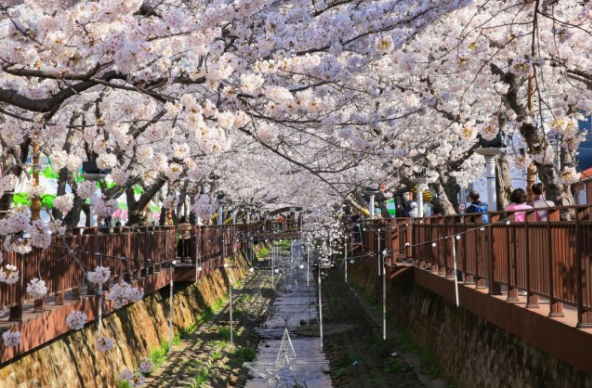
x,y
539,201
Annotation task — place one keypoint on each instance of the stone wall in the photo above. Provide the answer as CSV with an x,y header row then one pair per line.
x,y
73,361
473,351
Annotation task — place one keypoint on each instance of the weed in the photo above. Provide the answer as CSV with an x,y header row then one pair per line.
x,y
341,372
334,301
217,355
220,344
347,360
124,384
245,354
377,381
205,316
225,333
201,378
218,304
176,340
396,366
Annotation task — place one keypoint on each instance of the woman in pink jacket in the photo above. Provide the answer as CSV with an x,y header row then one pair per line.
x,y
518,197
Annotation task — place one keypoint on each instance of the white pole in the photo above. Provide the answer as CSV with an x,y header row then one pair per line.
x,y
220,219
419,203
196,256
320,308
307,265
371,206
231,307
491,189
455,274
345,258
272,263
378,252
383,298
171,308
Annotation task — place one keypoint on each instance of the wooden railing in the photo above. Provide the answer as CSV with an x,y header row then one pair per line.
x,y
130,253
550,259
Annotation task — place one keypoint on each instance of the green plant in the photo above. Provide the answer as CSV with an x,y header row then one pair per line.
x,y
245,354
205,316
377,381
341,372
396,366
124,384
334,301
225,333
217,355
176,340
346,360
219,303
201,378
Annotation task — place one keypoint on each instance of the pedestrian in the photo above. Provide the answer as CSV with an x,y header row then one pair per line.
x,y
539,201
184,236
412,209
477,206
518,198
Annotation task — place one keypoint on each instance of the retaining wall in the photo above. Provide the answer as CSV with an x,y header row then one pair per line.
x,y
475,352
73,361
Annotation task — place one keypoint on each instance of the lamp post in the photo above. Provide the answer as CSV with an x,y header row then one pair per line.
x,y
490,149
91,172
221,201
371,193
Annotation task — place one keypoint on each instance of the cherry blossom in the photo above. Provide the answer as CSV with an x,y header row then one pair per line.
x,y
37,288
11,338
104,344
100,275
76,320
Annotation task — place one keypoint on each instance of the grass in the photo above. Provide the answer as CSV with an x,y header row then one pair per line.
x,y
158,354
347,360
219,303
217,355
202,377
263,252
205,316
341,372
225,333
124,384
245,354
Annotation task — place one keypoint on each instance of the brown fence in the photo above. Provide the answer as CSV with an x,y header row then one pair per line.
x,y
130,254
550,259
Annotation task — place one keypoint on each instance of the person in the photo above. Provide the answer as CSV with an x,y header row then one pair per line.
x,y
539,201
477,206
356,228
184,234
412,209
118,224
280,223
518,198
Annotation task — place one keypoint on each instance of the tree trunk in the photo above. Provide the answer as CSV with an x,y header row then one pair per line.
x,y
504,185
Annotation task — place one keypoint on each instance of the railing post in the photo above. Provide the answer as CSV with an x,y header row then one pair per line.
x,y
532,301
584,316
494,287
16,312
555,307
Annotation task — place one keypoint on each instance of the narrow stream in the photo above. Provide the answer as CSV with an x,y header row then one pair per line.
x,y
285,359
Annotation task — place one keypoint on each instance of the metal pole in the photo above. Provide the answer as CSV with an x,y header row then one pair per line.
x,y
320,308
220,218
307,265
383,299
454,268
491,189
100,300
371,206
378,252
231,307
345,258
272,263
171,308
419,203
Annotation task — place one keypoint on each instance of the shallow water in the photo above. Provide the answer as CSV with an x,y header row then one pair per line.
x,y
303,363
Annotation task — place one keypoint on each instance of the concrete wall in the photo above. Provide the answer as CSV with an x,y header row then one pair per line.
x,y
473,351
73,361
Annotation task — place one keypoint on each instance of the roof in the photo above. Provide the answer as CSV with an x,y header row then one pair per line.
x,y
586,174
